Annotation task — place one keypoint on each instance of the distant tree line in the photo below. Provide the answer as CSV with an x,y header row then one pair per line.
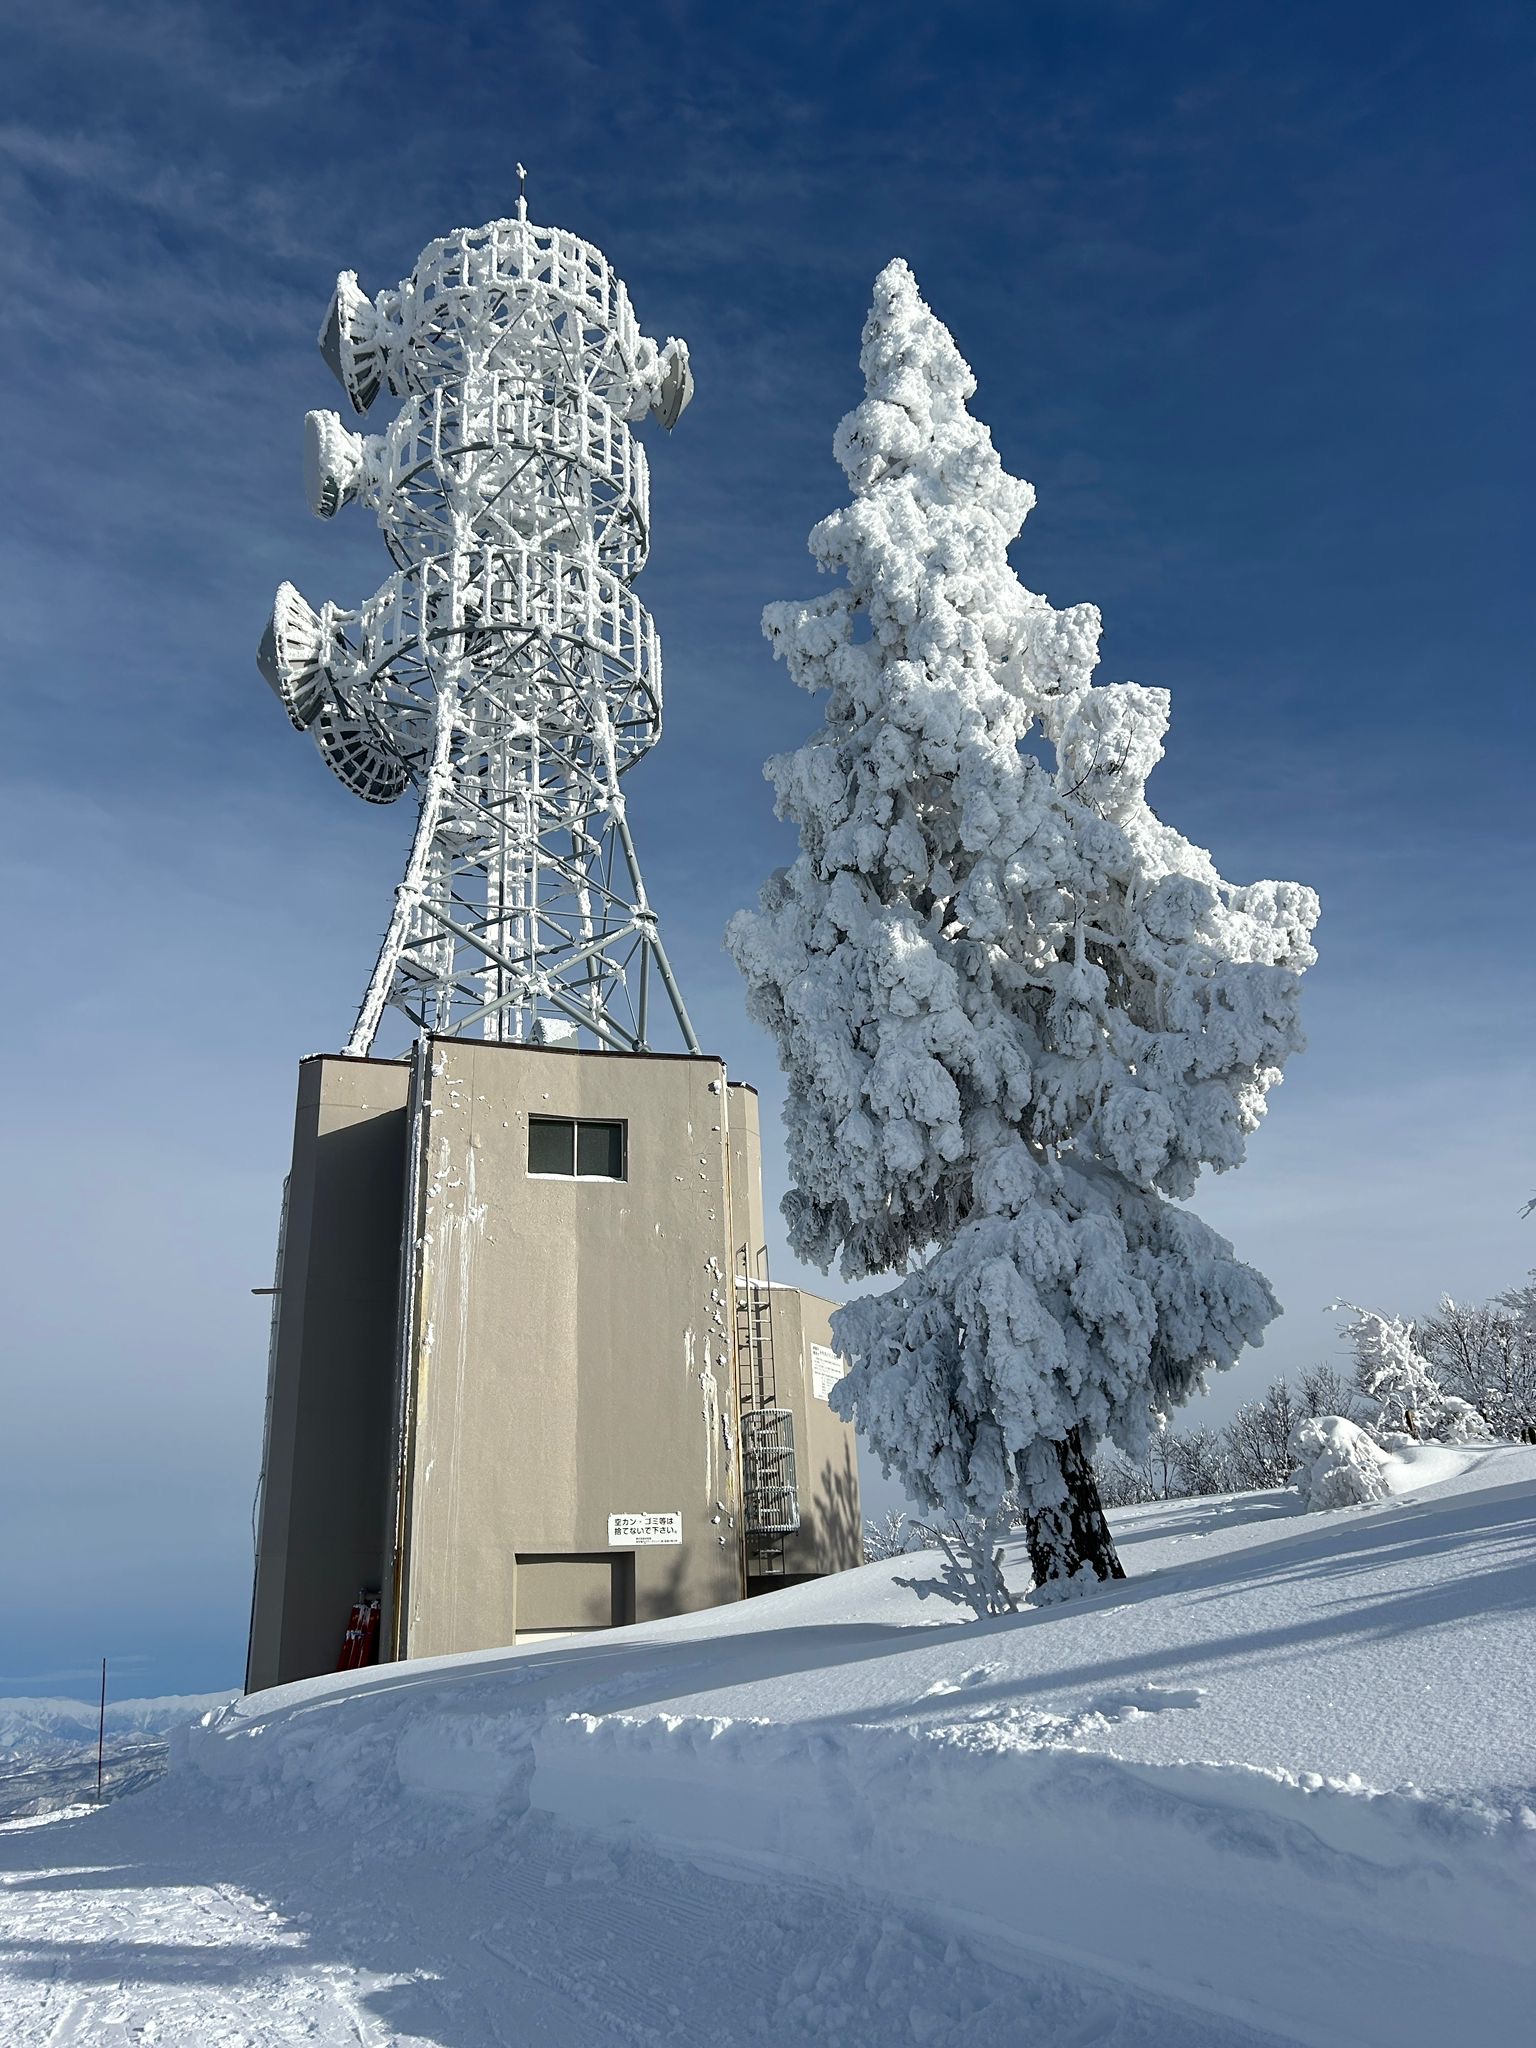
x,y
1466,1372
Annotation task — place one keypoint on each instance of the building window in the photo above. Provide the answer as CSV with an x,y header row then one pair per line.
x,y
580,1148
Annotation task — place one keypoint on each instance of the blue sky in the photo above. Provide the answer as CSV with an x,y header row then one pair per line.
x,y
1245,290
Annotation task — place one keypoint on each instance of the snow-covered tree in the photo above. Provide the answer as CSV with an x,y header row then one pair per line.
x,y
1017,1013
1394,1375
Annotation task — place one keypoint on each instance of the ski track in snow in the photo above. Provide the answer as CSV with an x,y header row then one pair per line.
x,y
533,1936
1272,1789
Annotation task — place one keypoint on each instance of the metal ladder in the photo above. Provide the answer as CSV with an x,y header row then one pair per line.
x,y
770,1491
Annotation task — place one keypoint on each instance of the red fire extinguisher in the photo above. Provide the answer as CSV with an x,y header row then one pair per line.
x,y
360,1644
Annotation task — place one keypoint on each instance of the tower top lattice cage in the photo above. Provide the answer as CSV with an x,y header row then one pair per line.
x,y
505,671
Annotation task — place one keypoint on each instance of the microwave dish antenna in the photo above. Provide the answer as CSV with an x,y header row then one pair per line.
x,y
505,671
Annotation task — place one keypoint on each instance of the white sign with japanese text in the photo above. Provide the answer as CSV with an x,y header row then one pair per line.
x,y
826,1370
632,1532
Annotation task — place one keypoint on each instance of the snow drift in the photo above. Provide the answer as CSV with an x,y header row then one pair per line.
x,y
1274,1787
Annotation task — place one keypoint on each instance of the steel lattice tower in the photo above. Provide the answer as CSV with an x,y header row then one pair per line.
x,y
505,671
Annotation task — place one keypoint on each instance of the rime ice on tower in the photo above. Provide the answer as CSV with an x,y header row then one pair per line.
x,y
505,671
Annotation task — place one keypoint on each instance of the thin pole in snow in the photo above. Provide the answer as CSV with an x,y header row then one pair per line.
x,y
101,1729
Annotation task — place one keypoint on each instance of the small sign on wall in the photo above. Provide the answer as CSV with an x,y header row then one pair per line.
x,y
826,1370
633,1532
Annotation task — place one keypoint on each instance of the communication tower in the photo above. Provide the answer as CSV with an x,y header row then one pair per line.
x,y
503,1398
505,672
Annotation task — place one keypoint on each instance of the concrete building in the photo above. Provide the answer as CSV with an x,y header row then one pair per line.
x,y
528,1373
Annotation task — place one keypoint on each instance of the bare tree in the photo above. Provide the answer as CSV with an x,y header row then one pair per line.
x,y
1176,1464
1123,1484
1203,1462
1485,1353
1324,1391
1258,1439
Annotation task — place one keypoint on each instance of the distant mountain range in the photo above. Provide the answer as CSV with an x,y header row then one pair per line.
x,y
48,1748
34,1730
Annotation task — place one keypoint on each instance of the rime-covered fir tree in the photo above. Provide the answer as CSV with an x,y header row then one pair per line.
x,y
1016,1012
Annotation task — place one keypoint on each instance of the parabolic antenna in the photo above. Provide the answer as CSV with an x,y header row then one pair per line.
x,y
333,464
292,656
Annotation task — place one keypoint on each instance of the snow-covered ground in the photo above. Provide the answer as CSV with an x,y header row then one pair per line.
x,y
1277,1787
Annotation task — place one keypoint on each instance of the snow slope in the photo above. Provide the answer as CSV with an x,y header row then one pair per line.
x,y
1277,1787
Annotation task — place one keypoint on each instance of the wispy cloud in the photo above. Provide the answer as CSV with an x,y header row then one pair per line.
x,y
204,53
77,1674
202,194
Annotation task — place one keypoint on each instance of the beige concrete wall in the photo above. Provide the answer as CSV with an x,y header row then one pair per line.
x,y
746,1171
321,1536
573,1353
830,1536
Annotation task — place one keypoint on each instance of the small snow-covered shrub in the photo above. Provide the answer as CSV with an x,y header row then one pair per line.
x,y
1337,1464
1458,1422
894,1536
972,1573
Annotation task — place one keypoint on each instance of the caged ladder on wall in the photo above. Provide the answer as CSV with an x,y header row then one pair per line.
x,y
770,1494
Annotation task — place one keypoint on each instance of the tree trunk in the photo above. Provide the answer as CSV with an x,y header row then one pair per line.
x,y
1070,1544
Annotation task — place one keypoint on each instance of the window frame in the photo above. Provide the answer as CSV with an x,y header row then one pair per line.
x,y
575,1125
